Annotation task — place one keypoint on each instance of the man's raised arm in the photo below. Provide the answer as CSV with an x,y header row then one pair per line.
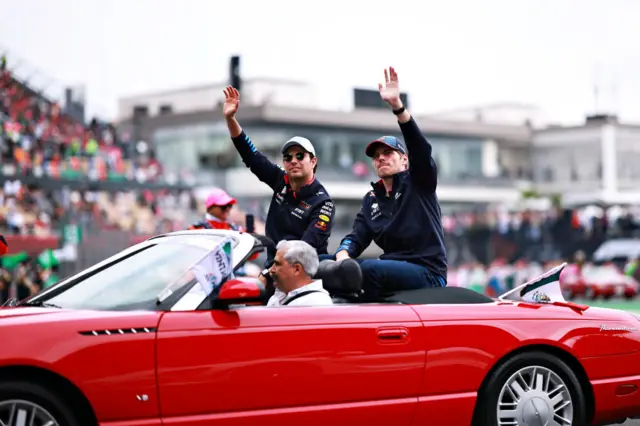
x,y
257,162
423,168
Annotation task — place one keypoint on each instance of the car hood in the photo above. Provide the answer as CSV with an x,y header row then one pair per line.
x,y
89,319
19,312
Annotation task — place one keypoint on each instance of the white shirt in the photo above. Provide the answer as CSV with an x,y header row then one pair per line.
x,y
319,297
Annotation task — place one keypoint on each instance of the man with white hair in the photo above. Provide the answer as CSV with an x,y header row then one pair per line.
x,y
293,268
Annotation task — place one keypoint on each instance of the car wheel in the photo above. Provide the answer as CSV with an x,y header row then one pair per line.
x,y
25,403
532,388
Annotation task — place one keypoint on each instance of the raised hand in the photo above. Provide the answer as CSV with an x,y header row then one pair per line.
x,y
390,91
231,102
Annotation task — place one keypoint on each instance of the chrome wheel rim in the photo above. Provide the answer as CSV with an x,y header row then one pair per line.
x,y
18,412
534,396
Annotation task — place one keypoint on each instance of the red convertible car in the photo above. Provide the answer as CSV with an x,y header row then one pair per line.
x,y
136,340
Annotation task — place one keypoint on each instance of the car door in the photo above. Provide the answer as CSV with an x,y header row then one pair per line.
x,y
331,365
459,349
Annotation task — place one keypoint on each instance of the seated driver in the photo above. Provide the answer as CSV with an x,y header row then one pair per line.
x,y
293,268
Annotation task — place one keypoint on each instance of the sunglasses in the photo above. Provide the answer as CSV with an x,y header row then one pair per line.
x,y
288,157
227,207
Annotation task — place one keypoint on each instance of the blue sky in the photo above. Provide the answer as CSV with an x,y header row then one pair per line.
x,y
448,54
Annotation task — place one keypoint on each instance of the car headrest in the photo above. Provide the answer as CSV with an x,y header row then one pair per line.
x,y
340,278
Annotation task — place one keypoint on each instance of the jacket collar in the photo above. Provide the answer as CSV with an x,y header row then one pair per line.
x,y
304,192
378,187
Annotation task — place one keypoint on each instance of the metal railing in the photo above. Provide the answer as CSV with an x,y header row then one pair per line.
x,y
37,79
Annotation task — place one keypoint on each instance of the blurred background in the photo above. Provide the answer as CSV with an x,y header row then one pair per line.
x,y
111,127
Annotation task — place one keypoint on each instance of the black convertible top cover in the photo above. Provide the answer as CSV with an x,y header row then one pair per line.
x,y
438,295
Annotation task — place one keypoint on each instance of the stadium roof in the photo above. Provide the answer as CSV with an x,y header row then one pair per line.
x,y
360,119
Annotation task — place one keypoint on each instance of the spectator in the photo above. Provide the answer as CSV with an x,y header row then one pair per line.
x,y
38,138
218,205
5,284
26,284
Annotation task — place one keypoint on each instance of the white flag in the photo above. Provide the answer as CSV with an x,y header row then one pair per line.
x,y
542,289
215,268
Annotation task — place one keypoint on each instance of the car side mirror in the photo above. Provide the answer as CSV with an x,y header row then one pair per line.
x,y
240,291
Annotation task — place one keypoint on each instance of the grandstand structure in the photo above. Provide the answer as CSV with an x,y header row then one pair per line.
x,y
479,162
488,155
592,163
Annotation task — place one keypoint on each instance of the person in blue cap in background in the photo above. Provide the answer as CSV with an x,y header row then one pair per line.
x,y
401,213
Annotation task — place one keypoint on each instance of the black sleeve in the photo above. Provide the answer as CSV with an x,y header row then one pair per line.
x,y
259,165
423,169
319,229
360,237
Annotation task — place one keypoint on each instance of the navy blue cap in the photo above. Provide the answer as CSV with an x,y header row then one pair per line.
x,y
390,141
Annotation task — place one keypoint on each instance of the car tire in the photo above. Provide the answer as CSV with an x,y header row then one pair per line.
x,y
41,397
532,402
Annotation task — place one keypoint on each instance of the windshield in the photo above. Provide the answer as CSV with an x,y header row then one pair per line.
x,y
136,281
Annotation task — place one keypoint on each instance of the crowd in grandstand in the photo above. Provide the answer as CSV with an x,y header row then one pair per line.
x,y
40,144
39,139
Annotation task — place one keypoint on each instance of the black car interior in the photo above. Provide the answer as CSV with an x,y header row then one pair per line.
x,y
343,280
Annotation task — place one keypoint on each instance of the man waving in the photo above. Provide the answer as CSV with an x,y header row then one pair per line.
x,y
401,213
301,208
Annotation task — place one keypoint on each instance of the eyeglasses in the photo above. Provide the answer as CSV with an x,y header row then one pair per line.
x,y
288,157
227,207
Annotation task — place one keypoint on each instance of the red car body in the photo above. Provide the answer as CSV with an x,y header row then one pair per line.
x,y
608,281
346,364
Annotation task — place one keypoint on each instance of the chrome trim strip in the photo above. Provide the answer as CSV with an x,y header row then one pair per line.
x,y
119,331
